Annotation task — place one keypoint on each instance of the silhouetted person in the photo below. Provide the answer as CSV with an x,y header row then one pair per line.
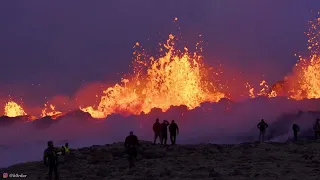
x,y
50,159
316,128
131,143
164,132
157,131
295,129
262,126
174,131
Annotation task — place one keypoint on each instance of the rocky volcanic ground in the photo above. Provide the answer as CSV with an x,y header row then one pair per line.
x,y
195,162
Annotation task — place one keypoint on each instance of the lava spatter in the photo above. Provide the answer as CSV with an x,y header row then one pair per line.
x,y
304,83
12,109
49,110
177,78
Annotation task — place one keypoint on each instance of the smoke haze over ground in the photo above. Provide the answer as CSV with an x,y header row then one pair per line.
x,y
227,122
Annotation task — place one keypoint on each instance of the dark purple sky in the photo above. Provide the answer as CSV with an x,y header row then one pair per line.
x,y
60,44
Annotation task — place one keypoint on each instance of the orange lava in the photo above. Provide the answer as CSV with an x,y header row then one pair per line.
x,y
12,109
265,90
304,83
176,78
49,110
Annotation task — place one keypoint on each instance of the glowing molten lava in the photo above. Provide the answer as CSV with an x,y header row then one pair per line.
x,y
49,110
177,78
264,90
305,81
12,109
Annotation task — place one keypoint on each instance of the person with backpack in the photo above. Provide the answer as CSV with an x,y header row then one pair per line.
x,y
50,159
295,129
157,131
174,131
262,126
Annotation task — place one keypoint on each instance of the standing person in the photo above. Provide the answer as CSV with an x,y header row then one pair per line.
x,y
164,132
295,129
316,129
131,143
174,131
50,159
262,126
157,131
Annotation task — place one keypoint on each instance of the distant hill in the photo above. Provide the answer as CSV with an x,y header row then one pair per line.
x,y
45,121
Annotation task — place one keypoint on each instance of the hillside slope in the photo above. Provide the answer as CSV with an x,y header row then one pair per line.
x,y
203,161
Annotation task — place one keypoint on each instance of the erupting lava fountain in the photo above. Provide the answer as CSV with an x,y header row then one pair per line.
x,y
179,77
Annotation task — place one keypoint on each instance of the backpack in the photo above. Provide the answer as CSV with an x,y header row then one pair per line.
x,y
66,150
296,127
51,153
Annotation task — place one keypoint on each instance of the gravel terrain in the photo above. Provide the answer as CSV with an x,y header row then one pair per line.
x,y
246,161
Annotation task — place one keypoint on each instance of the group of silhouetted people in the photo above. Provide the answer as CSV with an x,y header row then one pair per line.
x,y
161,131
262,126
131,144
